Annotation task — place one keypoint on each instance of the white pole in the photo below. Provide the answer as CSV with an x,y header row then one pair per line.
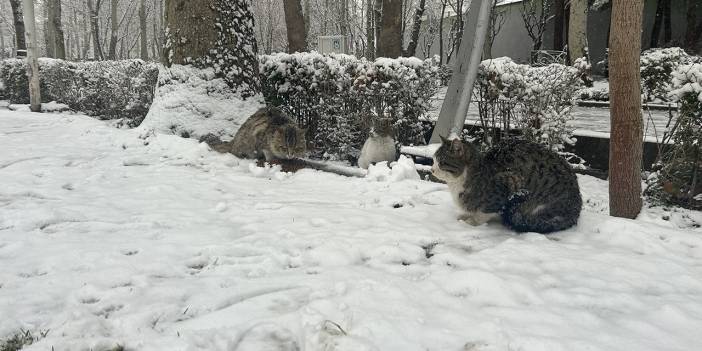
x,y
32,63
465,71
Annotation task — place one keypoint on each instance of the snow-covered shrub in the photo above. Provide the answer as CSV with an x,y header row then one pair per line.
x,y
337,96
657,66
105,89
679,177
193,102
594,94
539,99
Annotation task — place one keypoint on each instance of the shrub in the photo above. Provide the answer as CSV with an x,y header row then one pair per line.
x,y
677,180
104,89
337,96
535,100
657,66
21,339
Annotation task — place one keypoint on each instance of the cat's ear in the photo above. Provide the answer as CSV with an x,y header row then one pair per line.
x,y
443,140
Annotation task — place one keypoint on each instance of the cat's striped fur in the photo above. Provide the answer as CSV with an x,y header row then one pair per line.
x,y
531,188
269,133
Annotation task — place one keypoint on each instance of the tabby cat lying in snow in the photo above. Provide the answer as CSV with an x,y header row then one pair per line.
x,y
269,133
530,187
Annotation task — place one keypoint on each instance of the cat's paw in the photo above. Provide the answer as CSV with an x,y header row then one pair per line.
x,y
477,218
468,218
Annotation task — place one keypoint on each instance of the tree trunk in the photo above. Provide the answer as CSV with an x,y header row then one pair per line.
x,y
214,34
344,20
377,14
390,41
441,32
295,25
157,30
558,24
114,28
2,44
87,32
667,23
459,26
693,30
657,22
370,31
626,138
144,52
32,63
57,35
94,10
306,16
577,31
416,26
49,44
20,40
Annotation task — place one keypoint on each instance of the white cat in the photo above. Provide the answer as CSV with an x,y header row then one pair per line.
x,y
380,145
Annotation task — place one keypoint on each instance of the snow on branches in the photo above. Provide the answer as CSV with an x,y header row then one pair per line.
x,y
338,96
536,100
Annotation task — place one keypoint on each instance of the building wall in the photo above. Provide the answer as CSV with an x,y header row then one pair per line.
x,y
513,40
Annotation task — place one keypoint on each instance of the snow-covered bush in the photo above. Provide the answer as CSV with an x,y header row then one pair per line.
x,y
678,179
657,66
337,96
105,89
539,99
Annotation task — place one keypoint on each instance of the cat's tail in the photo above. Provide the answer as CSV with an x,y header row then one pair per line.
x,y
527,215
214,142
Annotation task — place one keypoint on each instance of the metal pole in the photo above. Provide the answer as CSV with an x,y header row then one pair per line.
x,y
465,71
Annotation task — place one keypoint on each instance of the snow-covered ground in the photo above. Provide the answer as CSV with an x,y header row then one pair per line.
x,y
153,242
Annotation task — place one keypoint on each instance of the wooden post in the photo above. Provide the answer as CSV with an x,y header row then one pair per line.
x,y
465,71
32,63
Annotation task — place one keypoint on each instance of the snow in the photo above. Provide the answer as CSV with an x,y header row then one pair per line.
x,y
585,121
153,242
192,102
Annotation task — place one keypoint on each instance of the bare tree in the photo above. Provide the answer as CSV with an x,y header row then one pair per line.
x,y
441,31
370,29
2,43
94,10
536,15
625,150
20,41
416,26
114,28
295,24
390,40
144,50
56,37
497,20
693,31
32,62
662,20
558,24
456,33
577,29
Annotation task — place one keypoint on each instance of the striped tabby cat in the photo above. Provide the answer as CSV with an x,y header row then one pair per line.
x,y
531,188
269,133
